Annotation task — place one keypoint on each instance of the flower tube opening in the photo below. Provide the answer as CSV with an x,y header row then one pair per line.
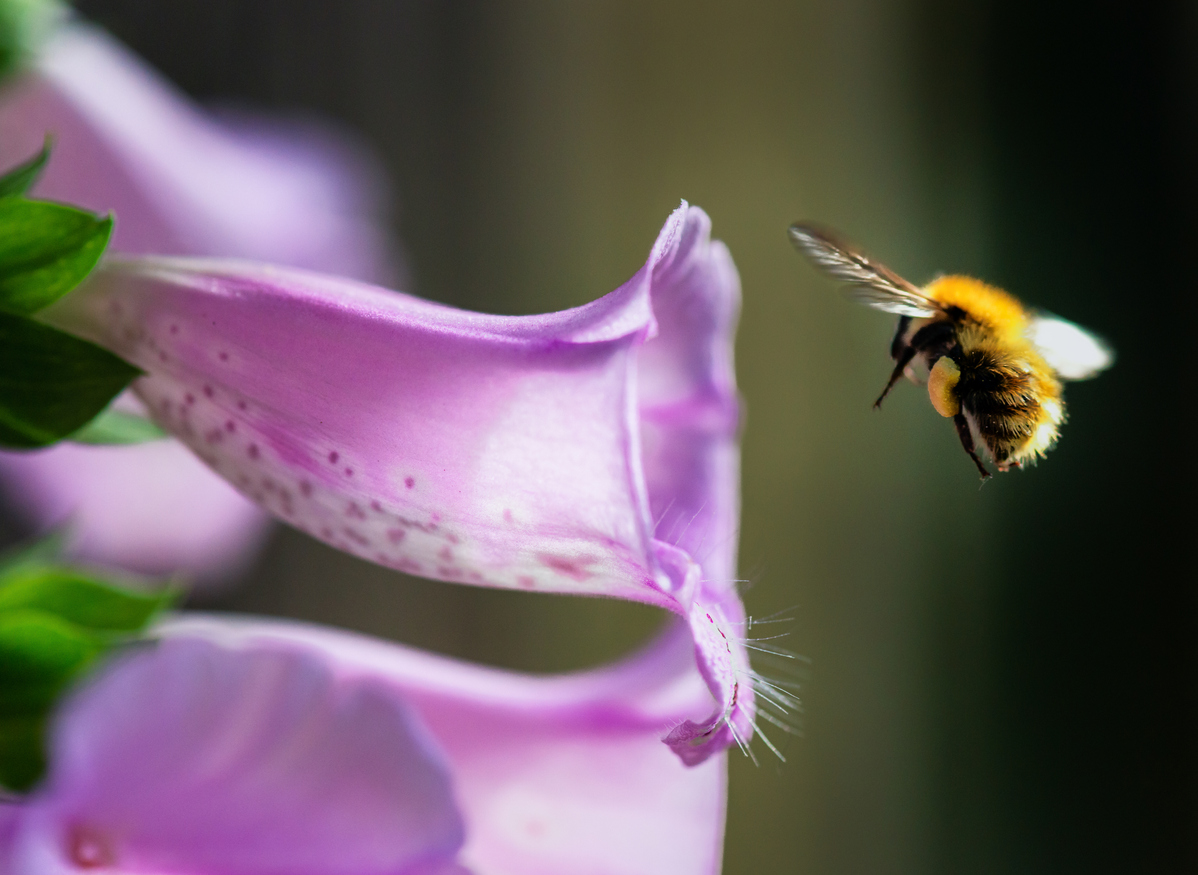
x,y
592,451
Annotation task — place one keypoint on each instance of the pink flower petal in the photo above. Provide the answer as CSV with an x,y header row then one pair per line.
x,y
189,757
181,183
560,775
591,451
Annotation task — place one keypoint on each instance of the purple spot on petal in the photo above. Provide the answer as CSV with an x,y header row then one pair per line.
x,y
445,554
354,511
526,582
224,356
409,482
162,357
230,426
396,535
208,391
375,506
349,472
575,569
189,398
174,329
241,405
333,457
356,536
507,516
305,488
89,849
253,451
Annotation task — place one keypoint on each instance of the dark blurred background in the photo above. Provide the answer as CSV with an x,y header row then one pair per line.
x,y
1002,680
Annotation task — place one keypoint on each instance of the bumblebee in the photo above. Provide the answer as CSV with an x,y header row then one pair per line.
x,y
994,367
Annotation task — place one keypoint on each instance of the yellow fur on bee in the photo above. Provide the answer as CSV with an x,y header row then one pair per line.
x,y
1001,312
1034,401
1046,432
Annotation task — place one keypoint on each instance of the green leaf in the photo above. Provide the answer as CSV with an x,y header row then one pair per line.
x,y
52,384
40,551
17,181
24,27
22,751
118,427
40,655
46,250
80,599
55,623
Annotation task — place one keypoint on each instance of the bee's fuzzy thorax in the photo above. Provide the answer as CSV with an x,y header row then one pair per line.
x,y
992,307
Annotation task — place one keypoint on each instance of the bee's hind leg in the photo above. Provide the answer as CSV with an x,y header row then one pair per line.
x,y
966,437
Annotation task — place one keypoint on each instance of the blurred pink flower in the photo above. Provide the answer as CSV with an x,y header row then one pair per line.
x,y
153,508
180,183
592,451
254,748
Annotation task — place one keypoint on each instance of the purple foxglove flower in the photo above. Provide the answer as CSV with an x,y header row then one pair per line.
x,y
252,748
592,451
180,183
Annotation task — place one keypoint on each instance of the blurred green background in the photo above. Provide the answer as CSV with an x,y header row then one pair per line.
x,y
1002,680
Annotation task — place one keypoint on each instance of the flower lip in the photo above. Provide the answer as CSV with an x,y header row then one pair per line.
x,y
591,451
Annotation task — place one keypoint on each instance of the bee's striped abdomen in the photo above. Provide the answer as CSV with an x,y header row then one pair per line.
x,y
1013,407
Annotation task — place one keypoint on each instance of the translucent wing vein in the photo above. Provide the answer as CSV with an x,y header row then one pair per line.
x,y
875,285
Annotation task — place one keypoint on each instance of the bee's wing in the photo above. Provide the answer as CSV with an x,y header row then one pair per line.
x,y
874,284
1071,351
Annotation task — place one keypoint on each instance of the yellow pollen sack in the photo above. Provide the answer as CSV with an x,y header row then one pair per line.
x,y
942,383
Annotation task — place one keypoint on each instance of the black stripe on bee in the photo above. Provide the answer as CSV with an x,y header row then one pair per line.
x,y
1000,399
934,340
